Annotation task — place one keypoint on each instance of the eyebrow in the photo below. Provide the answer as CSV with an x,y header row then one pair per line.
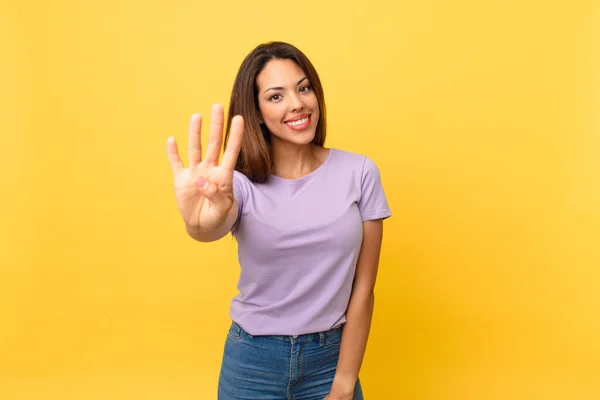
x,y
281,88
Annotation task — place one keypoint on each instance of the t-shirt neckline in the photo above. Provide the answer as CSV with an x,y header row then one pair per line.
x,y
280,180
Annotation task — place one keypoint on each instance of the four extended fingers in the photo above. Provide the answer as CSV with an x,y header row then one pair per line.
x,y
215,140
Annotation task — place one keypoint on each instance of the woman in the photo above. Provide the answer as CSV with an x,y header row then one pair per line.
x,y
308,222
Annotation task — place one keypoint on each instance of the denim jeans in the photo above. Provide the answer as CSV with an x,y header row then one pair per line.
x,y
279,367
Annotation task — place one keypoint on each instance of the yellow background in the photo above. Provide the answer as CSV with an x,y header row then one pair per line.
x,y
482,116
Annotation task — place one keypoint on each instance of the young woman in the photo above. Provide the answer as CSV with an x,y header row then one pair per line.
x,y
308,221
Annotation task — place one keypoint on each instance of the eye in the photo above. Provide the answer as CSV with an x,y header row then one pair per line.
x,y
275,97
306,88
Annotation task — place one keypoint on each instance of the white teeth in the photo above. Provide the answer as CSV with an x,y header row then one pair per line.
x,y
299,122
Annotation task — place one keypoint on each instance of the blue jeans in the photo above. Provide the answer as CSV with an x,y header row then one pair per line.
x,y
279,367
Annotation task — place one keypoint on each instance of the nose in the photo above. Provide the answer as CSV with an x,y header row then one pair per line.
x,y
296,102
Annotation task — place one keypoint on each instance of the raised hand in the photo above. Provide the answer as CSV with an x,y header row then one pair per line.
x,y
204,190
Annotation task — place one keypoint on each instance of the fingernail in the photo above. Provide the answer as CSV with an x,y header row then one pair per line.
x,y
201,182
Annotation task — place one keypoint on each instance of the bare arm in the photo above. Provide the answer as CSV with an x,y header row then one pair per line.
x,y
359,313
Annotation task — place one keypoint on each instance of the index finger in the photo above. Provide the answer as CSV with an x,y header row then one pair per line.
x,y
234,143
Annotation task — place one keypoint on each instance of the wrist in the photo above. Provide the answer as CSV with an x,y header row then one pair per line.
x,y
197,233
192,230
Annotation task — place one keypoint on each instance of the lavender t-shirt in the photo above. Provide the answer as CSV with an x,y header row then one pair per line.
x,y
298,243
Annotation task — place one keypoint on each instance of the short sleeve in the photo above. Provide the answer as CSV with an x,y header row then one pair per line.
x,y
239,194
373,203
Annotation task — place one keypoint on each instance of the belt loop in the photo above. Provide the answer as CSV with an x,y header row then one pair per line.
x,y
240,330
321,338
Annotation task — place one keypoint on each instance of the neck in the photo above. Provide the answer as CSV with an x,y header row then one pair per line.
x,y
293,161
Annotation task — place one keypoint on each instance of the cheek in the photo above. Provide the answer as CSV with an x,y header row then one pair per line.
x,y
314,102
268,111
271,117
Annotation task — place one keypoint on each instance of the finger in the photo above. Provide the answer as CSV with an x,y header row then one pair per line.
x,y
234,143
209,190
215,139
173,156
194,143
206,188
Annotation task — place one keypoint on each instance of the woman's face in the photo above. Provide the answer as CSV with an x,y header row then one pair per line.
x,y
287,103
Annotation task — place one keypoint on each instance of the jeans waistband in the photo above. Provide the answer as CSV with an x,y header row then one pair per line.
x,y
308,337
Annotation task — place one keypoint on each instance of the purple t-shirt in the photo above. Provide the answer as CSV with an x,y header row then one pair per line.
x,y
298,243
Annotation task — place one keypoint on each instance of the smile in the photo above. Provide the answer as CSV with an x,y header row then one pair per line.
x,y
299,124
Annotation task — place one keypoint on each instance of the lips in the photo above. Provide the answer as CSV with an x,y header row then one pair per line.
x,y
299,124
298,118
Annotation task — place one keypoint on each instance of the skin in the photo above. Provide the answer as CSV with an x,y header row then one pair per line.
x,y
359,313
204,190
204,193
285,93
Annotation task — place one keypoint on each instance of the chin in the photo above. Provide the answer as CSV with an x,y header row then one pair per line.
x,y
307,139
299,138
304,140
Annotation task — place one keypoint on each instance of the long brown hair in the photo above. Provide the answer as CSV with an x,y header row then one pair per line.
x,y
255,159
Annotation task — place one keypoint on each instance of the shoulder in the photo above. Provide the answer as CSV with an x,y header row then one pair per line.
x,y
242,186
238,177
354,161
241,180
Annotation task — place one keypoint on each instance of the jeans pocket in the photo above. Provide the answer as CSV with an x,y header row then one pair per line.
x,y
235,332
334,337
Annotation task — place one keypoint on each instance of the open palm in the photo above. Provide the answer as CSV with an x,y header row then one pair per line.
x,y
204,190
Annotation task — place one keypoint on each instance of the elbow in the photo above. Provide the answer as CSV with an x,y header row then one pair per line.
x,y
370,299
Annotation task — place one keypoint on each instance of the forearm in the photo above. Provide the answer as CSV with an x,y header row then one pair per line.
x,y
359,313
354,342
